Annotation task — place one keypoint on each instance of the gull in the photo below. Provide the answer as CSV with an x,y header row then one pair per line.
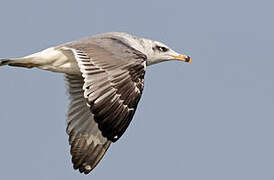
x,y
104,74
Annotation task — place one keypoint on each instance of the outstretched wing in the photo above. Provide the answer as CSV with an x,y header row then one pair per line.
x,y
87,142
112,85
103,101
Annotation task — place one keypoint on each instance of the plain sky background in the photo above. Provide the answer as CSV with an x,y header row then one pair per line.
x,y
211,120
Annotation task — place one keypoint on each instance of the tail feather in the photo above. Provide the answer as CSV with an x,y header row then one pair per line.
x,y
19,62
4,62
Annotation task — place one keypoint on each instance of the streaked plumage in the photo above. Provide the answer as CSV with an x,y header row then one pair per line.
x,y
105,80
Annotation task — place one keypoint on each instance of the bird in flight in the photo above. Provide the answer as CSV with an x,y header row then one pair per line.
x,y
104,74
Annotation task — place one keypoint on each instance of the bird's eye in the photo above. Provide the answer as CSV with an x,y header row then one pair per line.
x,y
162,49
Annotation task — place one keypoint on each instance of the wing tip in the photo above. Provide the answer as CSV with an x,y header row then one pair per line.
x,y
89,160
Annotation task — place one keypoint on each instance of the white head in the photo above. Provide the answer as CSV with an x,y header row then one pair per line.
x,y
155,51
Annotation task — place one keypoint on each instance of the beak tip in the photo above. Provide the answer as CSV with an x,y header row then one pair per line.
x,y
183,58
188,59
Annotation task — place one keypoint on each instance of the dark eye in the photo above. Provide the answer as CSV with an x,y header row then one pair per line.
x,y
162,49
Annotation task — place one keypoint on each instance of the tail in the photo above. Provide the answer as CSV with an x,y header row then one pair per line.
x,y
4,62
23,62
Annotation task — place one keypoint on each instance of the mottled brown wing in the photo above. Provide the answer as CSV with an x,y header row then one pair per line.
x,y
112,86
88,145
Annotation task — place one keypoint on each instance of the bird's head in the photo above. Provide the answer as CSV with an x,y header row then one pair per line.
x,y
158,52
155,51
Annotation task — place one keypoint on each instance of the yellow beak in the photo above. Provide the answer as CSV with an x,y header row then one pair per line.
x,y
183,57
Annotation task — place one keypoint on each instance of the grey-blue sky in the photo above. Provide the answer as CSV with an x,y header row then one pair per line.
x,y
212,119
